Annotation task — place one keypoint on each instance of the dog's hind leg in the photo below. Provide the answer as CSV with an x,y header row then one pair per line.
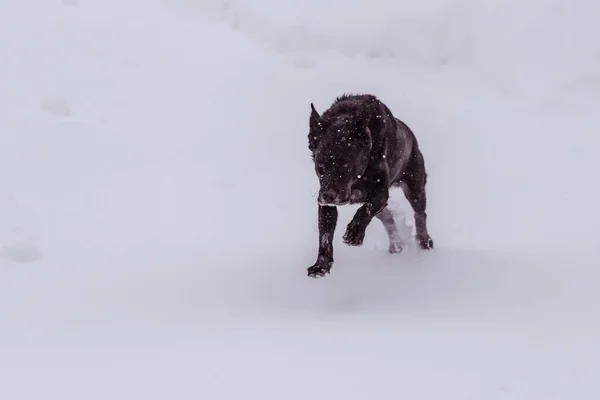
x,y
415,179
387,219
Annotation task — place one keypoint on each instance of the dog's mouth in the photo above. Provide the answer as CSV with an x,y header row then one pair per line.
x,y
333,202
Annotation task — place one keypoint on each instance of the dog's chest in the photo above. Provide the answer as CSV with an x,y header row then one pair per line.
x,y
358,192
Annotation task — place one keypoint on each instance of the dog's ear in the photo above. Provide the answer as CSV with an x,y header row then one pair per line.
x,y
316,128
315,118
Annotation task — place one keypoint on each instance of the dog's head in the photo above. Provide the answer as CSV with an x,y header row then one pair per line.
x,y
340,150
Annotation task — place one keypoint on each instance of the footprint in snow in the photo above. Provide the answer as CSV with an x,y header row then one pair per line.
x,y
20,252
56,106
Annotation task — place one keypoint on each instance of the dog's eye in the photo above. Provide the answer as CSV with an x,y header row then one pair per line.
x,y
345,165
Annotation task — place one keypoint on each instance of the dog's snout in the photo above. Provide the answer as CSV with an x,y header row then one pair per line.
x,y
334,197
328,196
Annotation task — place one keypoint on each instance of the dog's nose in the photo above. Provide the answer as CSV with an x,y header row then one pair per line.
x,y
328,196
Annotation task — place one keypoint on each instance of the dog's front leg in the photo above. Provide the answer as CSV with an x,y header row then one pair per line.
x,y
377,198
327,222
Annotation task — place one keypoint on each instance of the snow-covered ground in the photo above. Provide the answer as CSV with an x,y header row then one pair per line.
x,y
158,210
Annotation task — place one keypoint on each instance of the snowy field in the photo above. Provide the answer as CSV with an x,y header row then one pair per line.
x,y
158,201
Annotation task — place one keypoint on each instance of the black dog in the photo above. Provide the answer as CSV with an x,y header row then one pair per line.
x,y
360,150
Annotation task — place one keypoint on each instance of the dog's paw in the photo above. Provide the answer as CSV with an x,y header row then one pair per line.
x,y
425,242
354,235
395,247
319,269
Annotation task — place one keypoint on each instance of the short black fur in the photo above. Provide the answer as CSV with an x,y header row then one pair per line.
x,y
360,150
